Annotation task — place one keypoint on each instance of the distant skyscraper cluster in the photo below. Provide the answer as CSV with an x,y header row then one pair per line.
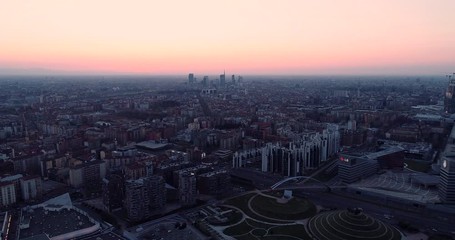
x,y
221,82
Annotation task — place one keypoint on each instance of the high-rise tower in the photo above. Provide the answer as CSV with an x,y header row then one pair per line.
x,y
205,81
223,79
447,180
449,101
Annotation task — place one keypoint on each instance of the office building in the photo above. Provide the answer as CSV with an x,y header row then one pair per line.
x,y
205,81
223,79
447,180
354,168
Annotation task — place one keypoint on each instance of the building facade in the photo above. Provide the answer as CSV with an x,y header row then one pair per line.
x,y
214,183
113,192
31,188
88,175
308,152
187,189
7,194
449,100
144,197
352,168
447,180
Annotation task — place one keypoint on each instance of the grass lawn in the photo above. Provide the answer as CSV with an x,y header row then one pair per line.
x,y
239,229
257,224
246,226
296,230
241,202
280,238
253,228
248,236
294,209
332,224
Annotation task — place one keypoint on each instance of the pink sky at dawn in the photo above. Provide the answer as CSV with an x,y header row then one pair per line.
x,y
241,36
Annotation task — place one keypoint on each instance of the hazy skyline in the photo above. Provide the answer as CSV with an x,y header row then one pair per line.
x,y
243,37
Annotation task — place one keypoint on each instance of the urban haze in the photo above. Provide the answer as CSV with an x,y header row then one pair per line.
x,y
222,120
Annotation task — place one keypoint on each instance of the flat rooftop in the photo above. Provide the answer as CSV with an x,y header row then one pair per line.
x,y
387,151
152,145
53,223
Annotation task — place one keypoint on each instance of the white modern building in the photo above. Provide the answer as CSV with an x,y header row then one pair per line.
x,y
308,152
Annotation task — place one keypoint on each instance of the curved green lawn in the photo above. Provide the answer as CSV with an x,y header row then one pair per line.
x,y
294,209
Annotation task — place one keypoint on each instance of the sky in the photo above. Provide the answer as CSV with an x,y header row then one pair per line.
x,y
295,37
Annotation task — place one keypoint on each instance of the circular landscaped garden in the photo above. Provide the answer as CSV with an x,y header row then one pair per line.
x,y
349,225
267,218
